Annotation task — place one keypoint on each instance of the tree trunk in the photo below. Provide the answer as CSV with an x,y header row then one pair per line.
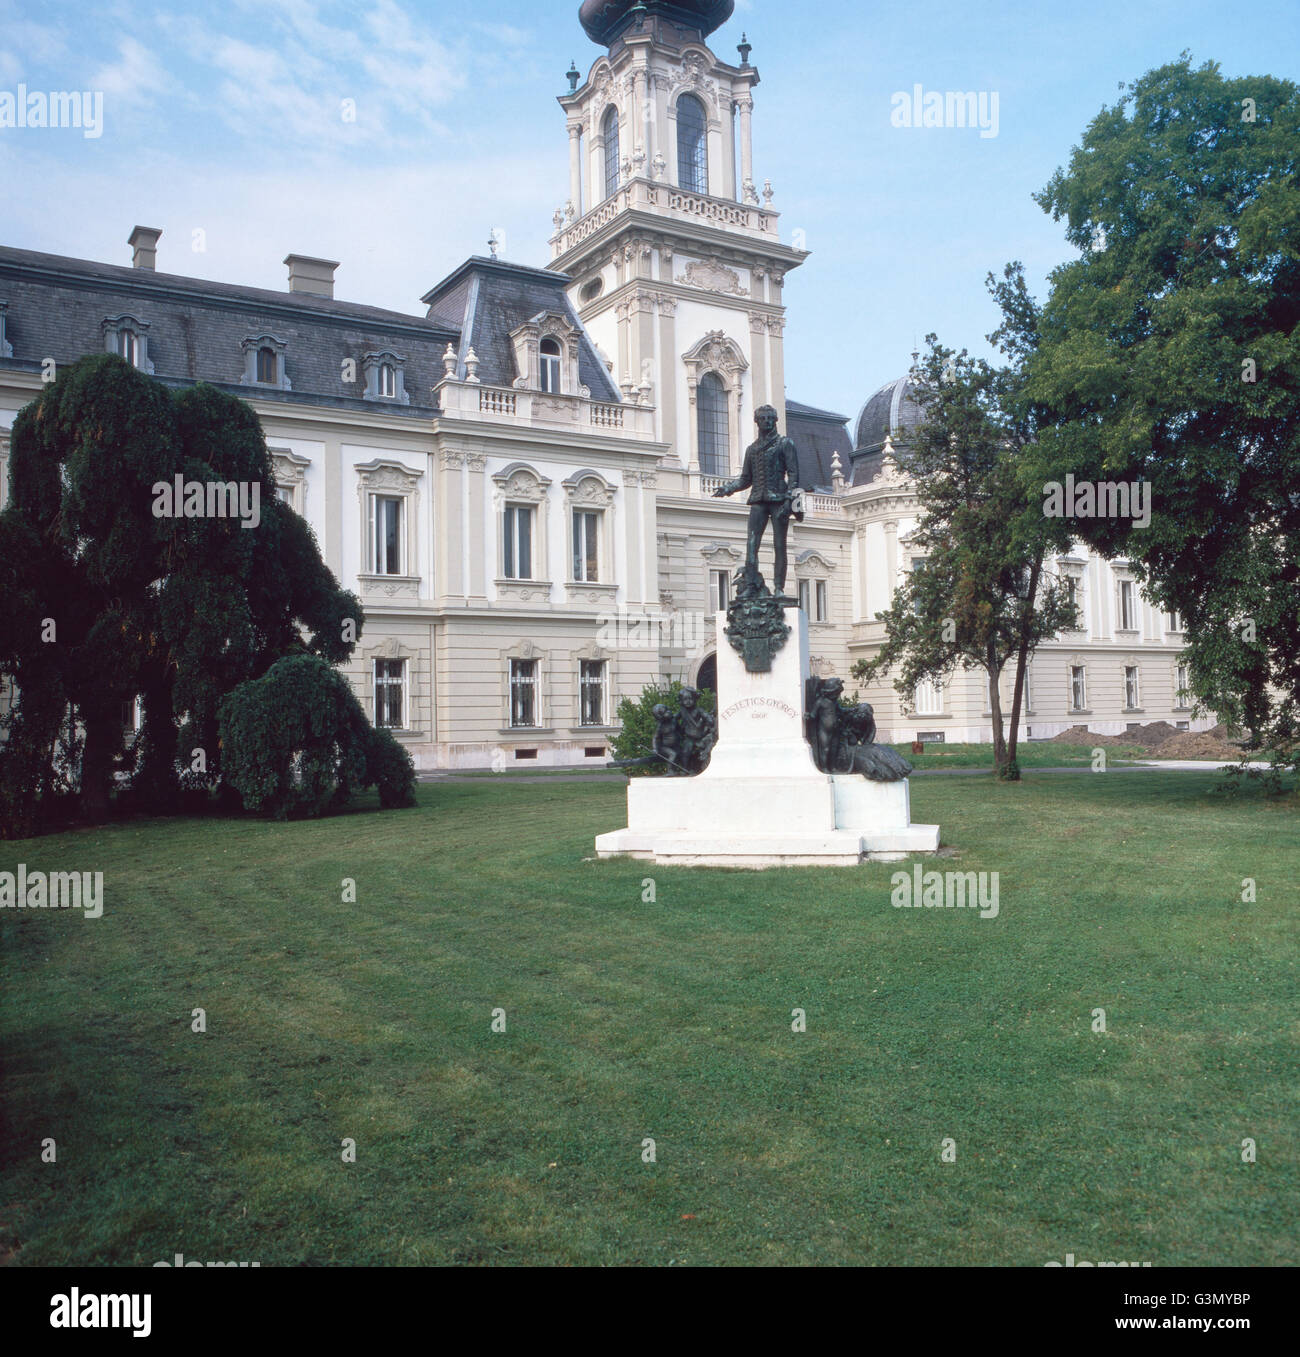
x,y
1012,769
994,671
102,738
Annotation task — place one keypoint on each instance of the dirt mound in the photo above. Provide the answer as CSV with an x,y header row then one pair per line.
x,y
1082,735
1225,733
1189,744
1152,734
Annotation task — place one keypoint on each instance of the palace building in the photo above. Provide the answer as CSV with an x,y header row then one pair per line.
x,y
518,483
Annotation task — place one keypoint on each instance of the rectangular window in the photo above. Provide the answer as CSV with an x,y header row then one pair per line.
x,y
805,600
721,591
518,541
1175,622
918,564
820,594
1182,684
1074,594
390,694
1127,608
523,692
126,346
1078,688
586,539
927,698
386,529
284,493
1131,694
591,685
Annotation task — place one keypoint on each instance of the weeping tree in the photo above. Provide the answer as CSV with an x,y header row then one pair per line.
x,y
103,600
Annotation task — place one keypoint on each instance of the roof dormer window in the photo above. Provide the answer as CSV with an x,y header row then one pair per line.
x,y
546,355
385,379
127,337
6,348
264,363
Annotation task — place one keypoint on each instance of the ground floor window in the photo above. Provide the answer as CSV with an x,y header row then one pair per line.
x,y
1131,693
1078,688
523,692
591,684
390,694
927,698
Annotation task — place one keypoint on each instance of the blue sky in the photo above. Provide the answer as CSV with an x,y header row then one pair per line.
x,y
223,126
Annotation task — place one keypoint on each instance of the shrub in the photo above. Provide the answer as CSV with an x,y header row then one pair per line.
x,y
636,738
389,768
295,743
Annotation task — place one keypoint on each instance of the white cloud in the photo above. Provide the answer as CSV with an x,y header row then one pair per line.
x,y
135,78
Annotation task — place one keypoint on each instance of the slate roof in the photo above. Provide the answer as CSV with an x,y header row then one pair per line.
x,y
818,435
890,411
487,298
196,327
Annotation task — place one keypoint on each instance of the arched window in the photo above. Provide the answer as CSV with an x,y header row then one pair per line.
x,y
692,145
550,363
609,130
266,371
714,429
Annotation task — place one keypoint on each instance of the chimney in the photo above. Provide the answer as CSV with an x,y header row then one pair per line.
x,y
143,241
315,276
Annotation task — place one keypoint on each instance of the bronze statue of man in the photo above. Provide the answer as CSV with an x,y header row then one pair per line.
x,y
771,475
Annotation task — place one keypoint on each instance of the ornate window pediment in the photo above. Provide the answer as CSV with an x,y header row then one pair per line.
x,y
588,489
813,563
721,555
290,470
563,338
715,352
519,481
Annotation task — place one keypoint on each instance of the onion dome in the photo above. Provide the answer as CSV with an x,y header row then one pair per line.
x,y
605,21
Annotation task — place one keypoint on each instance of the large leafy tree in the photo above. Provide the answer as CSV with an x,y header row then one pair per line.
x,y
102,601
981,599
1169,353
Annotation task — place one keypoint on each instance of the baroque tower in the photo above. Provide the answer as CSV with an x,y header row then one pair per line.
x,y
674,256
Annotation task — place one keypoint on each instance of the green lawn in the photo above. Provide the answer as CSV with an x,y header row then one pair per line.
x,y
1039,754
669,1019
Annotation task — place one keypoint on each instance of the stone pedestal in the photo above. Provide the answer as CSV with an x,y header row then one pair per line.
x,y
762,802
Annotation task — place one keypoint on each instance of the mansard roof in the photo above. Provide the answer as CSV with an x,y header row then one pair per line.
x,y
485,299
57,304
818,435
